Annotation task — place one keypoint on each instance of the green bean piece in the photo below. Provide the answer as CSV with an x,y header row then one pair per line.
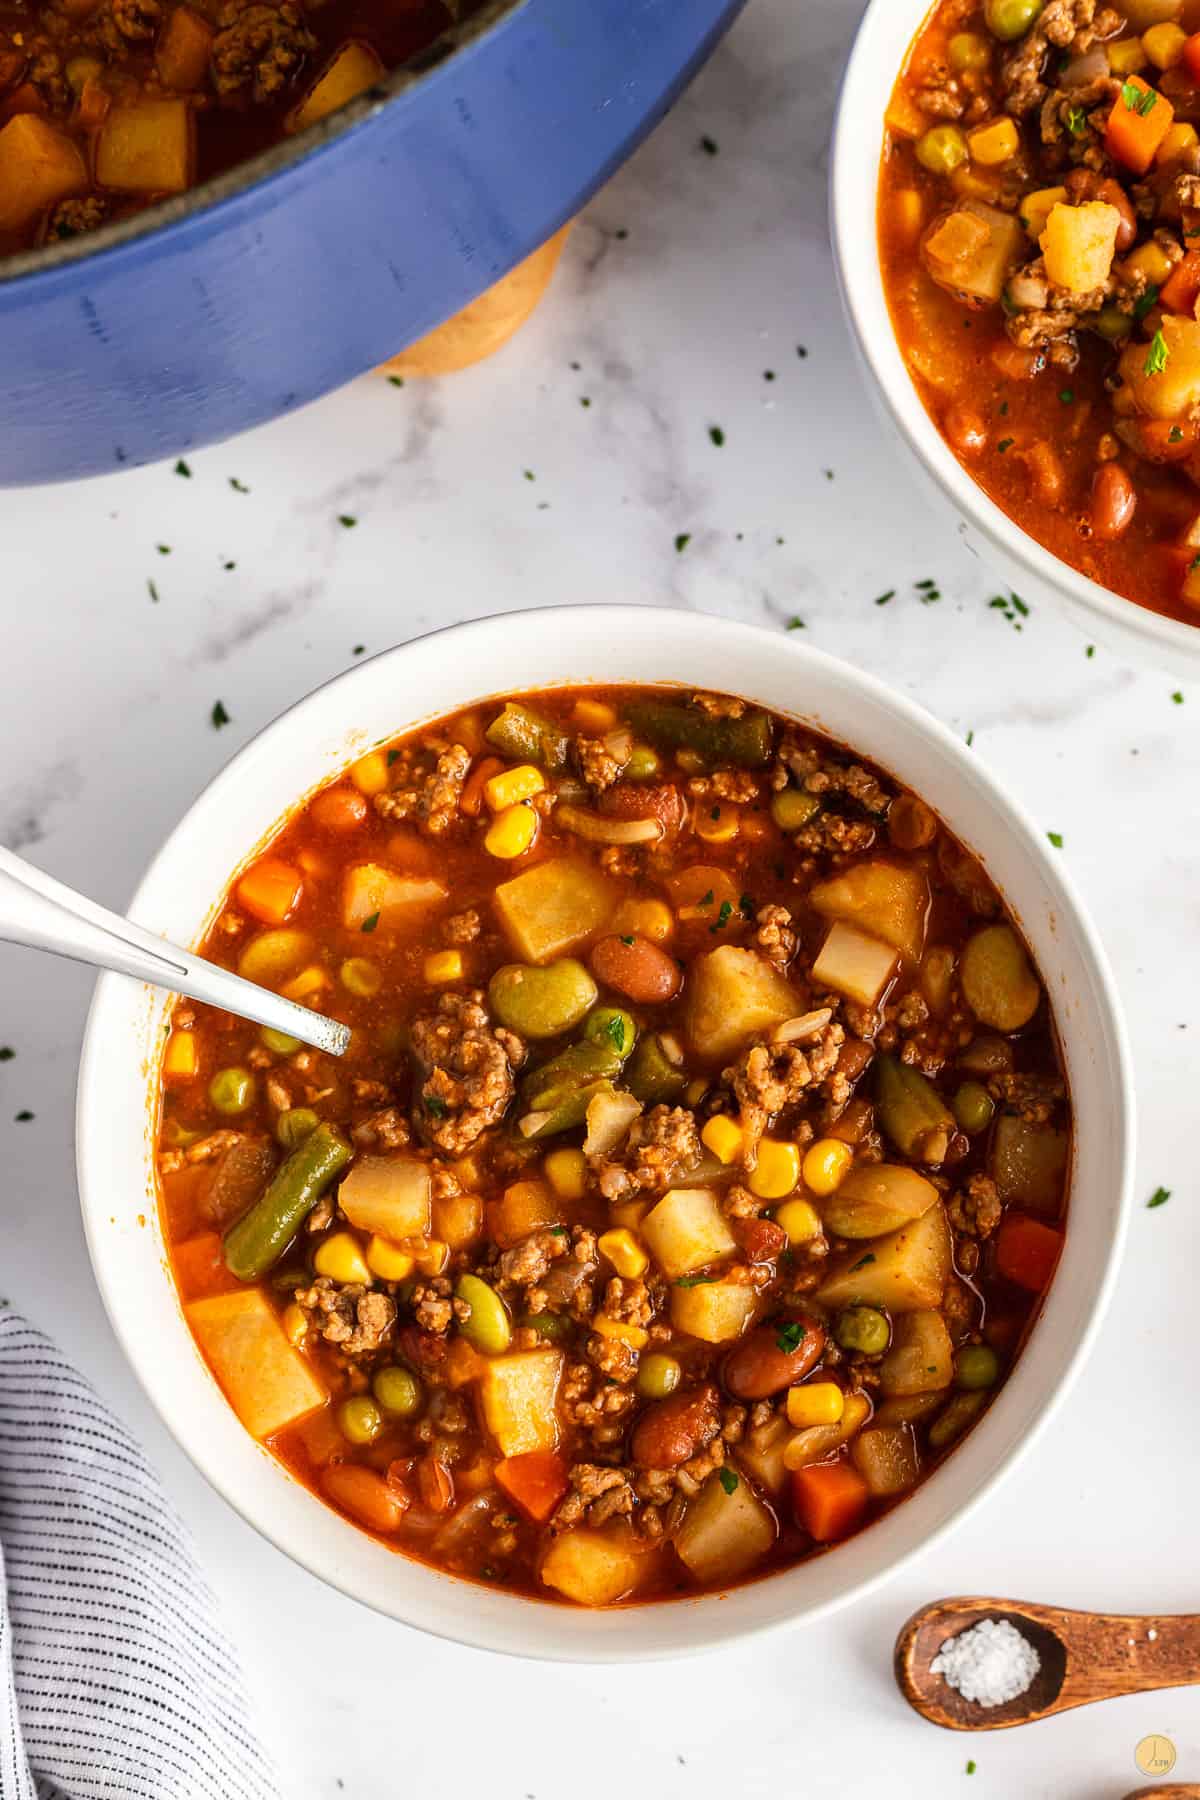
x,y
397,1390
951,1423
792,808
359,1419
1010,19
863,1328
554,1328
231,1091
973,1107
644,764
911,1110
976,1366
941,149
293,1126
658,1376
278,1042
529,736
653,1076
541,1002
612,1025
487,1327
745,742
576,1067
261,1236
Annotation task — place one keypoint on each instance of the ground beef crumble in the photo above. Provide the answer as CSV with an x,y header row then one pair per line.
x,y
660,1148
358,1320
465,1067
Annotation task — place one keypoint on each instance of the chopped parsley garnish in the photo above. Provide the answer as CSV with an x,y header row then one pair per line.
x,y
1002,409
219,716
434,1106
181,468
1174,436
728,1480
882,599
795,623
1194,564
723,917
392,756
746,904
682,540
371,923
1138,99
239,487
716,435
1056,838
1076,121
1156,356
1144,302
1005,444
688,1281
347,520
862,1262
1067,396
714,812
627,941
708,898
789,1337
1159,1197
615,1029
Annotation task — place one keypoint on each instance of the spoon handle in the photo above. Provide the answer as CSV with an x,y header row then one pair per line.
x,y
1124,1653
43,914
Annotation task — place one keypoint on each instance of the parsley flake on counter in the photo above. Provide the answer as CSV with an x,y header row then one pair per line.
x,y
1056,838
1177,697
716,436
347,521
728,1480
6,1053
371,923
882,599
789,1337
163,549
927,591
1159,1197
682,540
181,468
970,737
529,475
709,146
801,352
1090,651
239,487
152,590
768,374
218,715
395,380
24,1116
1156,356
796,623
358,649
227,566
971,1767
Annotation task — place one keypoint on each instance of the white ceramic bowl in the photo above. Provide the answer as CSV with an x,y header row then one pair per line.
x,y
438,674
880,49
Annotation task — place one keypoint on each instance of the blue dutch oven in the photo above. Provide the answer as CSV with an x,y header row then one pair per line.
x,y
261,290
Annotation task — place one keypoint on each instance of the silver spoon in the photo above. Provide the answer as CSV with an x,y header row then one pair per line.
x,y
42,913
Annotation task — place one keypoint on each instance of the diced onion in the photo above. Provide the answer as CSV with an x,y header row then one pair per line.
x,y
1081,71
609,1117
599,830
807,1025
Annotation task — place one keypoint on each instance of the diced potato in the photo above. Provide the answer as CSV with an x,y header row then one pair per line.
x,y
716,1311
524,1207
1079,244
370,891
353,68
182,52
38,168
875,1198
1166,386
854,964
724,1533
903,115
1029,1164
146,148
388,1195
973,249
887,1458
594,1568
265,1379
554,907
686,1231
921,1359
518,1393
909,1273
458,1219
909,1409
610,1113
734,995
761,1453
885,899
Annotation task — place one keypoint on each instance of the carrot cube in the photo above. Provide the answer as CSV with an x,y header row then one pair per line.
x,y
1027,1251
830,1499
270,891
1139,121
536,1482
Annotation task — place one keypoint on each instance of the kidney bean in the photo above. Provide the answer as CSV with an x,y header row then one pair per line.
x,y
1046,472
965,429
1114,501
672,1431
636,968
853,1057
762,1365
911,824
760,1240
1114,194
634,800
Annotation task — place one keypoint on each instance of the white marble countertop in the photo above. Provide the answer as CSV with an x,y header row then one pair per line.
x,y
133,604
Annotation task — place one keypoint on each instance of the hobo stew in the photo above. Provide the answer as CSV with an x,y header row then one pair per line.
x,y
693,1176
1039,226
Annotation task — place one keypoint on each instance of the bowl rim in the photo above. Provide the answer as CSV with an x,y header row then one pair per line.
x,y
203,197
593,1638
866,86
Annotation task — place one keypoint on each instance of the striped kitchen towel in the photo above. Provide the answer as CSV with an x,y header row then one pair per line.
x,y
115,1676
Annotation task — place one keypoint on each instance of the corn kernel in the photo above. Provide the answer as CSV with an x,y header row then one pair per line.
x,y
724,1137
181,1060
717,824
433,1258
511,832
1151,261
443,965
341,1258
1036,208
1163,44
816,1441
908,212
594,717
826,1165
308,981
628,1214
511,786
633,1335
994,143
816,1403
1180,138
1126,56
777,1170
643,918
624,1252
799,1219
388,1260
566,1171
369,774
295,1323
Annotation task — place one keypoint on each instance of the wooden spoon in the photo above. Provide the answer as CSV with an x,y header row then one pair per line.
x,y
1174,1790
1084,1657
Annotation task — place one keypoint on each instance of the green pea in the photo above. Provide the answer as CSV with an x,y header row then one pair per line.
x,y
397,1390
612,1025
973,1107
941,149
278,1042
1112,323
554,1328
976,1366
231,1091
643,765
178,1136
360,976
793,808
1009,19
863,1328
967,50
293,1126
359,1419
951,1423
487,1326
658,1376
542,1002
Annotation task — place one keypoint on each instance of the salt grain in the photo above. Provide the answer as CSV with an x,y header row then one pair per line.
x,y
989,1664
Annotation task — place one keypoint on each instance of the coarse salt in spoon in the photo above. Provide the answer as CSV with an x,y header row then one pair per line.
x,y
43,914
